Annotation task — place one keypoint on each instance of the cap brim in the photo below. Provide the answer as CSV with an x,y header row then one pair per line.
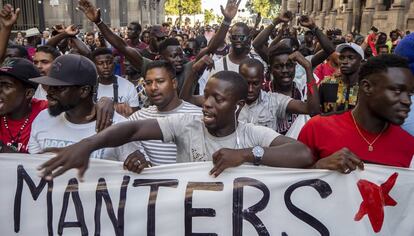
x,y
20,79
50,81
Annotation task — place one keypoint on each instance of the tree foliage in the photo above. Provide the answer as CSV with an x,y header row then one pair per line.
x,y
208,16
267,8
189,7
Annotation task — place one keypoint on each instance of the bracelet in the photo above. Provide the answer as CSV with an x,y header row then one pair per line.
x,y
310,86
226,23
314,30
100,22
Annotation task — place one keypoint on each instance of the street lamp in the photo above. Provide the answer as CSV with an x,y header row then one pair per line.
x,y
299,1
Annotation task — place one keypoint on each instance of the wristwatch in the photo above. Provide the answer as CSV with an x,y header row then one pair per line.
x,y
258,153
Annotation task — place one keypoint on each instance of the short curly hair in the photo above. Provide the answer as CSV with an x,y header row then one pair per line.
x,y
380,64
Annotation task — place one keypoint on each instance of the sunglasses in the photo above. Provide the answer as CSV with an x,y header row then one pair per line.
x,y
239,38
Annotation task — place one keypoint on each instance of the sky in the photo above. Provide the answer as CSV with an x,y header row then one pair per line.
x,y
215,5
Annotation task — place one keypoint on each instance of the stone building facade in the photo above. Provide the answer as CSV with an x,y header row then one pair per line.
x,y
116,13
357,15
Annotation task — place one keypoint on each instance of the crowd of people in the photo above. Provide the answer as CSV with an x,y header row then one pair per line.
x,y
231,94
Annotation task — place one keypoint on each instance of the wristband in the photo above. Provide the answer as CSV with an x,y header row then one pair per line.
x,y
226,23
314,30
99,22
310,86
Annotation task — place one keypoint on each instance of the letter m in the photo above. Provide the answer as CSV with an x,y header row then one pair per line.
x,y
35,191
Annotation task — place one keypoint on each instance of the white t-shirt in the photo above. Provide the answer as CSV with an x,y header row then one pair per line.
x,y
48,131
40,93
195,143
126,92
158,152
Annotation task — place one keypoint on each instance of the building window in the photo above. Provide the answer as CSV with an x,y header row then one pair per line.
x,y
123,12
388,3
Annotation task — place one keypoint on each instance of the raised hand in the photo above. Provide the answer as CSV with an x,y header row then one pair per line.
x,y
307,21
90,11
284,17
9,16
231,9
72,30
299,58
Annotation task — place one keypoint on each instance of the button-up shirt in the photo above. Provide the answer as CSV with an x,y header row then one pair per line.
x,y
266,109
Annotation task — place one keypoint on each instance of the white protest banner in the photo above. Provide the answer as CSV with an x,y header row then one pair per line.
x,y
185,200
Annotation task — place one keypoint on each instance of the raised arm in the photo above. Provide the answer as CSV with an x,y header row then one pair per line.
x,y
8,17
259,43
117,42
228,13
324,42
187,91
77,155
70,33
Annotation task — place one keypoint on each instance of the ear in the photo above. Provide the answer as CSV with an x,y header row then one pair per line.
x,y
29,93
366,86
86,91
175,83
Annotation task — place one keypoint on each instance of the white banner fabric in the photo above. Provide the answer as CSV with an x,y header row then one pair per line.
x,y
185,200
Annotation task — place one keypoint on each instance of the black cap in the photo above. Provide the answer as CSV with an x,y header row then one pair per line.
x,y
70,70
20,69
157,31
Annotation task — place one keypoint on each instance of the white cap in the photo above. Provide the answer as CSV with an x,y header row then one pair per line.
x,y
352,46
32,32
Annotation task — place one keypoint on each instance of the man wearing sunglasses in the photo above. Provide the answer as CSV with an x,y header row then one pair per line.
x,y
171,50
71,114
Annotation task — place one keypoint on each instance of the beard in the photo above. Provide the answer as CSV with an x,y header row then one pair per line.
x,y
240,50
58,109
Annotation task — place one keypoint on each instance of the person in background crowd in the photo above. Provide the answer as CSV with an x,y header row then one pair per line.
x,y
370,132
349,38
33,40
340,91
145,38
16,51
90,40
134,31
120,90
393,41
219,138
43,59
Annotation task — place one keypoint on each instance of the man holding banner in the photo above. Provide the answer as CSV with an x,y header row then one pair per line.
x,y
371,130
216,136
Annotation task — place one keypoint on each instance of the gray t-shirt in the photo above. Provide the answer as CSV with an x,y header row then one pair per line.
x,y
195,143
266,110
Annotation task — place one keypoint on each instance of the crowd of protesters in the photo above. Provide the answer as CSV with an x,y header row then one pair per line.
x,y
279,95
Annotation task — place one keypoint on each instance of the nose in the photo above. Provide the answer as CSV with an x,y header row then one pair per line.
x,y
405,99
207,102
250,90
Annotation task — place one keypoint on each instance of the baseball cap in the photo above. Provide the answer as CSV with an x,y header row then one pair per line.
x,y
405,48
352,46
157,31
70,70
32,32
20,69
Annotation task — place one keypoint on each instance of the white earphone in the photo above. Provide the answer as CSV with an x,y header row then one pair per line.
x,y
237,108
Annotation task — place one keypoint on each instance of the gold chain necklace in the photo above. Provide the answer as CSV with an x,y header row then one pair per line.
x,y
370,144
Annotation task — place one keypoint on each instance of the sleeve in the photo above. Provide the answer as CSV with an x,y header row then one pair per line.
x,y
280,103
172,126
262,136
307,137
34,145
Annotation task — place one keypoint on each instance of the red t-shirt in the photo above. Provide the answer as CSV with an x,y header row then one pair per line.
x,y
325,135
15,125
323,70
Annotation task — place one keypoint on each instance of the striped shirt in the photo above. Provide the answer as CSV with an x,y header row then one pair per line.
x,y
158,152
